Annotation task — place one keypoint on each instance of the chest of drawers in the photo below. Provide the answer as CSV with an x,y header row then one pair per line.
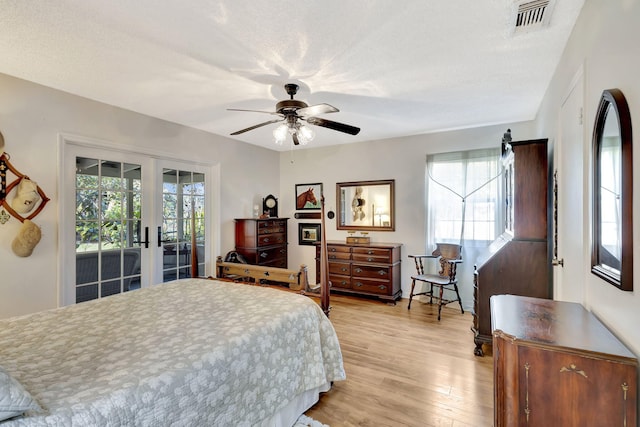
x,y
372,269
556,364
262,241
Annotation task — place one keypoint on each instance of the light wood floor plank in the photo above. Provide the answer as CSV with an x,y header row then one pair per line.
x,y
404,368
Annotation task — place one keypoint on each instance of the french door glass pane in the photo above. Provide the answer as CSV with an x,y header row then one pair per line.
x,y
108,227
183,204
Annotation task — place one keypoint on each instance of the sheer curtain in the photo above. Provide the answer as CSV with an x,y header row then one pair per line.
x,y
464,194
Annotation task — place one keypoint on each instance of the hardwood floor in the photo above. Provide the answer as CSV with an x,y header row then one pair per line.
x,y
404,368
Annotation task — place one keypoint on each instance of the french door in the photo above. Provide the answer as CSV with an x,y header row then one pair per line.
x,y
131,221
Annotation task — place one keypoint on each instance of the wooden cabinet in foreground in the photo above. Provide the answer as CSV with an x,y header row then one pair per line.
x,y
555,364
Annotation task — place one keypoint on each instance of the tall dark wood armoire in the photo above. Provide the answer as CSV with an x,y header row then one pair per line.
x,y
519,261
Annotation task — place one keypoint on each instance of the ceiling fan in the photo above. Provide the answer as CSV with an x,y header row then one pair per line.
x,y
292,112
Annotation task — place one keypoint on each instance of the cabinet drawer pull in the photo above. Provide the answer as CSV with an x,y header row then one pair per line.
x,y
344,269
382,272
266,240
370,252
332,249
382,287
358,284
369,259
358,270
263,254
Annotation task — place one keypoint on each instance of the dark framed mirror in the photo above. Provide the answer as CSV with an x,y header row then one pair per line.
x,y
366,205
612,240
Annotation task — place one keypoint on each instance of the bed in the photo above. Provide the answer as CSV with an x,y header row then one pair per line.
x,y
193,352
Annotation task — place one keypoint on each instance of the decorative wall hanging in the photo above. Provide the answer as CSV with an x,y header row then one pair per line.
x,y
28,198
309,234
308,196
26,202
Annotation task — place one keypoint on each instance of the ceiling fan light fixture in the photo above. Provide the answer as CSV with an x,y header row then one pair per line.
x,y
280,133
292,112
305,134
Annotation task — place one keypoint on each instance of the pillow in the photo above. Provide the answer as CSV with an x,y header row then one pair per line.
x,y
14,399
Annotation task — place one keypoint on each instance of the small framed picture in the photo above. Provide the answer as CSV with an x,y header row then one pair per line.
x,y
308,196
308,234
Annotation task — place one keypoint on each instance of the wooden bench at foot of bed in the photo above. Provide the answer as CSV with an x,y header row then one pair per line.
x,y
297,279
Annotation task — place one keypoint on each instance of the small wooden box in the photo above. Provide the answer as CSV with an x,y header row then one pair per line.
x,y
358,240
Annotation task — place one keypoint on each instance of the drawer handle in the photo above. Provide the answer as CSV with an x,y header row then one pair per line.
x,y
343,283
332,249
358,284
358,270
370,252
382,272
382,287
283,251
344,269
332,257
573,368
263,254
266,240
369,259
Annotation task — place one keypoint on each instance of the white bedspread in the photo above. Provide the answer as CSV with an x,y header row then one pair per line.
x,y
193,352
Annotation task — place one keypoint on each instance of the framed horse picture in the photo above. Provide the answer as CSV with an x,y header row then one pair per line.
x,y
308,196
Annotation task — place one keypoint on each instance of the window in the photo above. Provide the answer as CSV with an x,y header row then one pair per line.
x,y
183,208
107,227
463,197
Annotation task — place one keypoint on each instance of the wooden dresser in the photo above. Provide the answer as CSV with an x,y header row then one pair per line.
x,y
519,261
371,269
555,364
262,241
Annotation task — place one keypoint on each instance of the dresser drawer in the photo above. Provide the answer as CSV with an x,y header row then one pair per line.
x,y
275,226
372,286
339,281
340,268
370,258
371,255
267,256
339,255
334,249
271,239
370,271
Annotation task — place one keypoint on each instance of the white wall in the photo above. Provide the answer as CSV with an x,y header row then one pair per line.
x,y
32,116
604,43
402,159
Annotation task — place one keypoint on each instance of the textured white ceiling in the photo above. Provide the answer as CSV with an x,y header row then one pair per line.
x,y
393,68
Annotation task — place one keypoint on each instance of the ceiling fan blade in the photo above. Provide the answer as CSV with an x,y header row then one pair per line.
x,y
252,111
341,127
255,127
314,110
295,139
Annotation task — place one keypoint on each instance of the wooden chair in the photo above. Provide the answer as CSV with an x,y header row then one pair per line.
x,y
449,256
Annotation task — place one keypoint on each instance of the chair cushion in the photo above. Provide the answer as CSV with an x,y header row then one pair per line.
x,y
433,278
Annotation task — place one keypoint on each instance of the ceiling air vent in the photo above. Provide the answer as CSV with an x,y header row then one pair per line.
x,y
531,15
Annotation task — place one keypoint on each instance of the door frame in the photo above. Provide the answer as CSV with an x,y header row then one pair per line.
x,y
67,144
